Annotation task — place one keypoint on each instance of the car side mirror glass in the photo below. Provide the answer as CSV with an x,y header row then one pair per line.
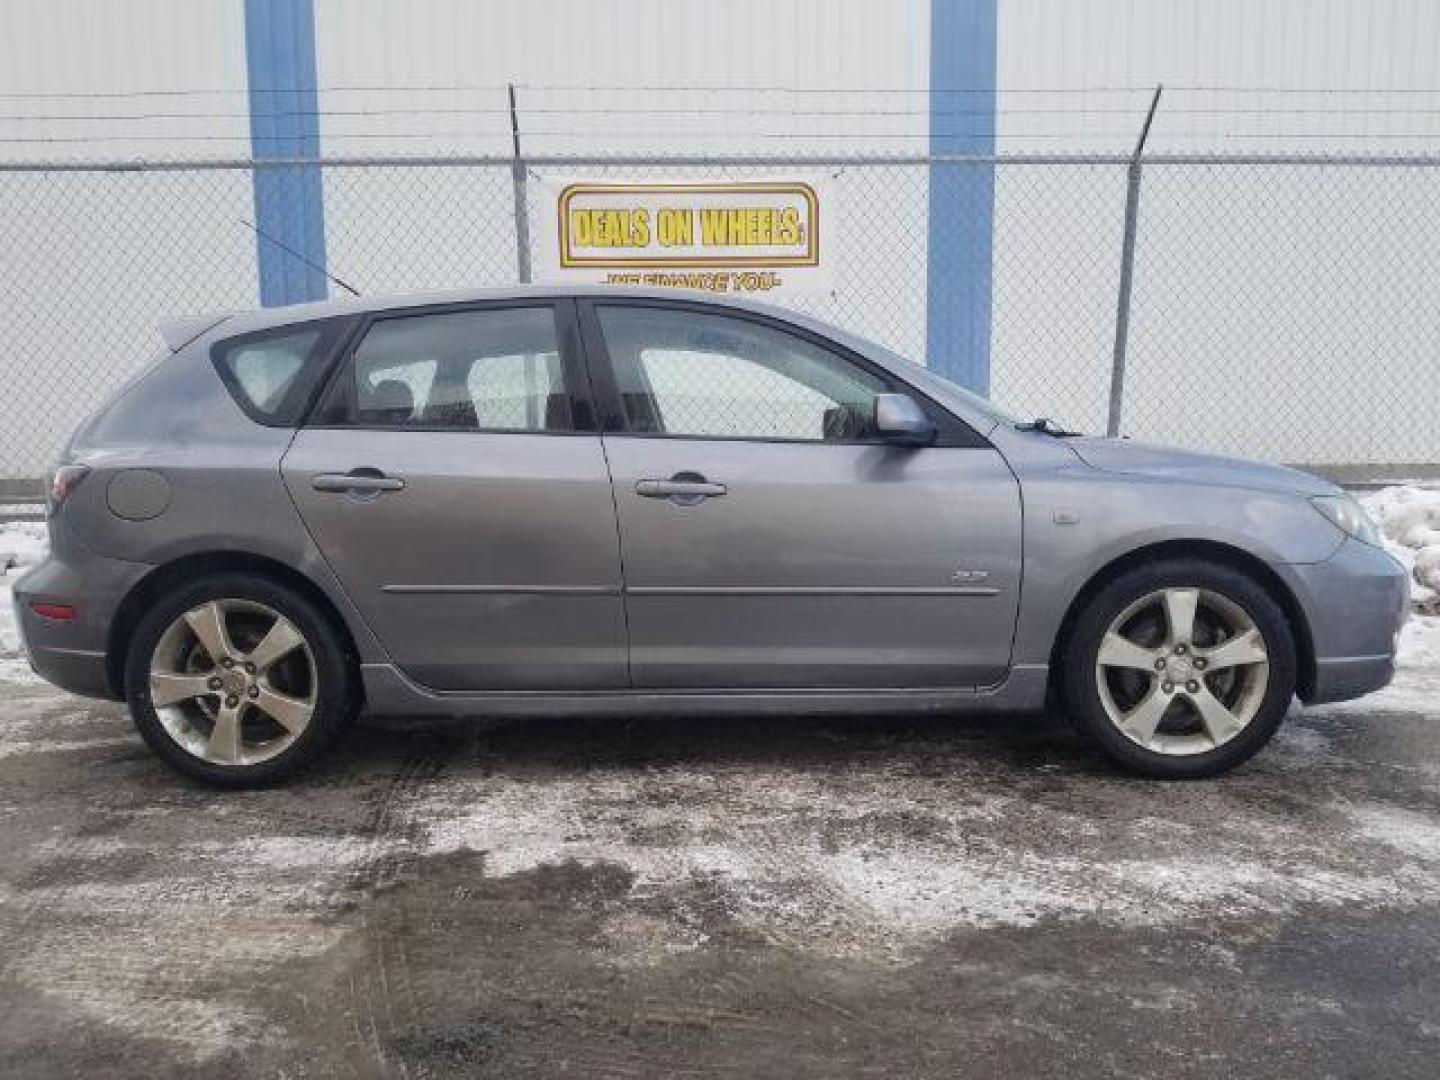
x,y
898,419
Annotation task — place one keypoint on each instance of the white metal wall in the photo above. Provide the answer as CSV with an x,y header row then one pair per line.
x,y
625,76
166,78
1272,320
683,55
137,79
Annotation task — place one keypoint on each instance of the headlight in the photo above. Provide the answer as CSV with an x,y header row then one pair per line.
x,y
1346,514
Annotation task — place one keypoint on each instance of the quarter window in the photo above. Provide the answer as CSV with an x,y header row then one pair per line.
x,y
491,370
705,374
272,376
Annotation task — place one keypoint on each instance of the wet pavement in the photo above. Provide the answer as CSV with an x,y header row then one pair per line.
x,y
800,898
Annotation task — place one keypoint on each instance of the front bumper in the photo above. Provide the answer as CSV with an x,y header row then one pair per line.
x,y
71,653
1355,603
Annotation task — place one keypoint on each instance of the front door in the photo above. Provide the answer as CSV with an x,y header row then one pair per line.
x,y
451,483
768,539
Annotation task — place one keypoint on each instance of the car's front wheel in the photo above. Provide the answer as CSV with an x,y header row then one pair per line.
x,y
1180,669
238,680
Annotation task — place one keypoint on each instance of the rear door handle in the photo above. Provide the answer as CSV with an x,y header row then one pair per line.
x,y
684,489
362,481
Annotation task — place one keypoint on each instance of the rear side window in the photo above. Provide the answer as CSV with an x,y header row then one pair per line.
x,y
273,375
495,369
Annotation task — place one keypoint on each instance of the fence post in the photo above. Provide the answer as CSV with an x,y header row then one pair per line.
x,y
517,177
1127,273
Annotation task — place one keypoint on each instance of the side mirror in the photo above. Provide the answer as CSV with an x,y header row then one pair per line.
x,y
899,420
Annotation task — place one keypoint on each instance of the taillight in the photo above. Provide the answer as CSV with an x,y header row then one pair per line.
x,y
66,479
61,612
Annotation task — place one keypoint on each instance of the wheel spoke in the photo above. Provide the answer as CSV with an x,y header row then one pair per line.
x,y
1180,605
1119,651
1144,718
166,688
289,712
208,624
281,640
1220,723
1247,648
224,743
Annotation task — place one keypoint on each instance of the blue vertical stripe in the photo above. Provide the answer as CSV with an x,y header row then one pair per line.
x,y
285,123
962,197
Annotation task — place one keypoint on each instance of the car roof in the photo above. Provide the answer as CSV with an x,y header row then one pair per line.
x,y
238,322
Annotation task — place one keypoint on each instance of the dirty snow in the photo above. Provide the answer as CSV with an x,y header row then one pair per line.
x,y
883,862
22,544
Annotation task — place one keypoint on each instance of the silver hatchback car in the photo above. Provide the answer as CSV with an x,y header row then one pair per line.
x,y
540,502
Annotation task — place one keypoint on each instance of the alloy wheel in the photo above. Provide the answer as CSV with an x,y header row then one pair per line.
x,y
233,682
1182,671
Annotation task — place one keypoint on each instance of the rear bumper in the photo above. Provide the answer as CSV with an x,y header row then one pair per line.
x,y
71,653
1355,603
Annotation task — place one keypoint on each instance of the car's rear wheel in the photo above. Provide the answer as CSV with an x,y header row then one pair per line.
x,y
1180,669
238,680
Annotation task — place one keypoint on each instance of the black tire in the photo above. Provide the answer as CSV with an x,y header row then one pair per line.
x,y
336,683
1083,693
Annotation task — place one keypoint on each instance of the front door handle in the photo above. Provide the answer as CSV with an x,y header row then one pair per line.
x,y
359,481
683,489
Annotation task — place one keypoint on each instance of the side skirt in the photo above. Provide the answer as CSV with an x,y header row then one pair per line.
x,y
390,696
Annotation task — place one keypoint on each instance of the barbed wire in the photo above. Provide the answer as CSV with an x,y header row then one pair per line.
x,y
1009,110
705,88
1223,123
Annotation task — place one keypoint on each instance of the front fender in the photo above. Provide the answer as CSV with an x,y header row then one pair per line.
x,y
1078,521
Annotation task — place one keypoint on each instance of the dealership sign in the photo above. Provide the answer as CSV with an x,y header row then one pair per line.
x,y
752,237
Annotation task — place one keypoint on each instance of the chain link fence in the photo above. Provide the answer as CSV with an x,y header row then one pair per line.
x,y
1282,308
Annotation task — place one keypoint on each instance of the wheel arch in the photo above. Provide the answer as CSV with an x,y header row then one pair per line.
x,y
1212,551
155,584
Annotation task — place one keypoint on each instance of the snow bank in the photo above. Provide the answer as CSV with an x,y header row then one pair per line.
x,y
1409,520
1420,646
22,544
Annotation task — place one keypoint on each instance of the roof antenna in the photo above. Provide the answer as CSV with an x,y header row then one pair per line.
x,y
291,251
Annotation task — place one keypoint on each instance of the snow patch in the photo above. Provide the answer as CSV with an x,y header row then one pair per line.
x,y
1412,834
21,747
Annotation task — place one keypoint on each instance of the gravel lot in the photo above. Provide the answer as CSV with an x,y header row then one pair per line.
x,y
752,899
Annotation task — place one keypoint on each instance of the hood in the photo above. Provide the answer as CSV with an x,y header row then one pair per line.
x,y
1163,462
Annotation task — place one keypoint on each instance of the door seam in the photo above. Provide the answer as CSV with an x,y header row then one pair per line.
x,y
325,558
620,554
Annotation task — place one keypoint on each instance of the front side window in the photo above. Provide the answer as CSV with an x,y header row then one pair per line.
x,y
490,370
705,374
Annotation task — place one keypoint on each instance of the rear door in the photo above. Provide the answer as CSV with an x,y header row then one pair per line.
x,y
769,539
454,480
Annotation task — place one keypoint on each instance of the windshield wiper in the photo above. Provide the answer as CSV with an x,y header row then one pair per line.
x,y
1043,424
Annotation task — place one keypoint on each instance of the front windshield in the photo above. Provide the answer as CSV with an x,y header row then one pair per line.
x,y
984,405
923,376
980,404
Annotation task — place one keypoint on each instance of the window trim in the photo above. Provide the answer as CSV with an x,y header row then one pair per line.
x,y
567,338
952,431
334,334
